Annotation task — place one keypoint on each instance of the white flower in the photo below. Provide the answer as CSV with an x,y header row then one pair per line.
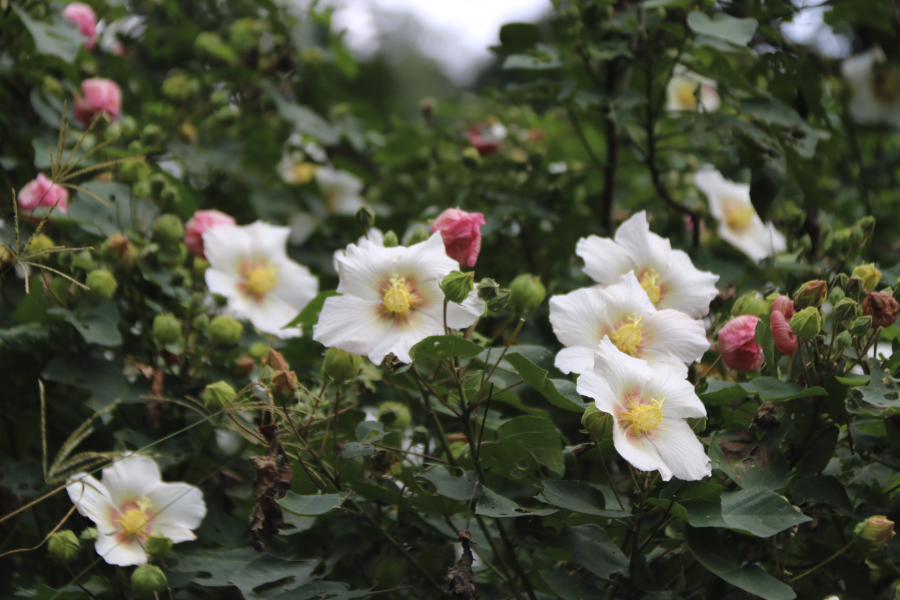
x,y
340,190
682,87
294,169
739,225
876,88
668,276
373,236
581,319
648,408
132,504
391,300
250,267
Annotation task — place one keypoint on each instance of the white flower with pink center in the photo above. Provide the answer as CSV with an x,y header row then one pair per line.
x,y
132,504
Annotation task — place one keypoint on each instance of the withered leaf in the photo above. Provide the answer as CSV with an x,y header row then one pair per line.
x,y
460,578
271,483
153,408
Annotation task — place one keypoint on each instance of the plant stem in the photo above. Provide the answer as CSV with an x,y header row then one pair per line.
x,y
608,476
823,563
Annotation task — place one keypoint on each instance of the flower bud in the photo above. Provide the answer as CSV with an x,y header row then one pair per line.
x,y
784,305
861,326
785,339
457,286
835,295
203,220
132,171
168,230
843,340
394,415
806,323
340,366
882,307
200,322
853,286
285,383
244,365
158,547
84,260
169,195
811,293
750,304
598,424
846,310
526,293
217,396
166,329
97,96
419,235
391,240
275,361
867,224
224,330
856,236
64,545
461,232
869,275
875,532
102,284
488,289
427,106
175,87
151,135
500,302
365,217
38,243
147,580
737,343
141,189
120,248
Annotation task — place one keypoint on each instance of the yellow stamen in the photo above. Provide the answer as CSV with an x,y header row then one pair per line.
x,y
649,281
396,299
133,522
644,417
738,216
259,279
302,173
684,93
627,338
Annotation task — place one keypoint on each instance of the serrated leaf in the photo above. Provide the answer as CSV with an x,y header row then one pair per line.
x,y
311,506
760,511
444,346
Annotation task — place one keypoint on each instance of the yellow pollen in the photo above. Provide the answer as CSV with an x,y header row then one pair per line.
x,y
738,216
259,280
302,173
396,299
684,92
649,281
135,520
627,338
645,417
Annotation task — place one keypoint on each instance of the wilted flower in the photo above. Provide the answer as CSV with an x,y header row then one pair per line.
x,y
97,96
581,319
649,407
83,15
882,307
200,222
249,265
461,232
876,88
340,190
487,139
131,504
391,299
739,225
737,343
681,90
668,276
41,192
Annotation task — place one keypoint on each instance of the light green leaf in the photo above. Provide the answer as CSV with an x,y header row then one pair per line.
x,y
760,511
60,38
97,325
776,390
444,346
311,506
722,26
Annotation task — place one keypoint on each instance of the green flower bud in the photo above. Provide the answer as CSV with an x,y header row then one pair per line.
x,y
861,326
806,323
224,330
365,217
835,295
244,33
457,286
151,135
427,106
843,340
129,126
157,183
874,532
141,189
102,283
38,243
64,545
84,260
219,98
119,248
867,224
471,158
869,275
169,195
391,240
856,236
853,286
394,415
175,87
419,235
217,396
526,293
112,132
340,366
166,329
158,547
168,230
500,302
846,310
751,304
148,580
227,115
200,322
598,424
200,266
811,293
488,289
285,383
135,170
258,350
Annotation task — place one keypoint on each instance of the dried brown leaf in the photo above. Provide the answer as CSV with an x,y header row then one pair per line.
x,y
271,483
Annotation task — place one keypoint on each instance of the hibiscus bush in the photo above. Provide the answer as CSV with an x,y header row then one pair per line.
x,y
618,322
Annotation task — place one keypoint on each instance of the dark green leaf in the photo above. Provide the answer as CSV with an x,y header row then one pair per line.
x,y
569,587
537,378
450,485
760,511
723,391
97,325
776,390
578,496
749,462
518,37
491,504
590,547
823,489
311,506
444,346
309,316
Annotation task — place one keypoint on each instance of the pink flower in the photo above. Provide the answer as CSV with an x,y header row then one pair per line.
x,y
100,95
42,192
483,140
785,339
784,305
737,343
83,16
200,222
462,234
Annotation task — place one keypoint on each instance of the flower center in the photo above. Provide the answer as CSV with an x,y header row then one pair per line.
x,y
684,92
650,283
259,279
738,216
644,417
302,173
886,85
134,522
627,338
396,299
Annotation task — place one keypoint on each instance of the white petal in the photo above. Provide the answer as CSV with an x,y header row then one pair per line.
x,y
123,554
575,359
226,248
93,501
675,333
404,336
579,317
681,450
626,298
604,259
303,224
364,269
222,283
624,374
686,288
177,509
426,260
645,249
663,360
460,316
595,387
352,324
130,478
295,285
640,452
681,399
269,315
757,241
267,242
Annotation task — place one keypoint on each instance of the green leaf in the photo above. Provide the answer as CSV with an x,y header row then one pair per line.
x,y
660,3
93,216
524,447
569,587
578,496
444,346
551,389
760,511
722,26
103,378
765,340
542,59
303,119
60,38
97,325
696,502
776,390
455,487
822,489
590,547
721,558
723,391
309,316
311,506
491,504
750,463
518,37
